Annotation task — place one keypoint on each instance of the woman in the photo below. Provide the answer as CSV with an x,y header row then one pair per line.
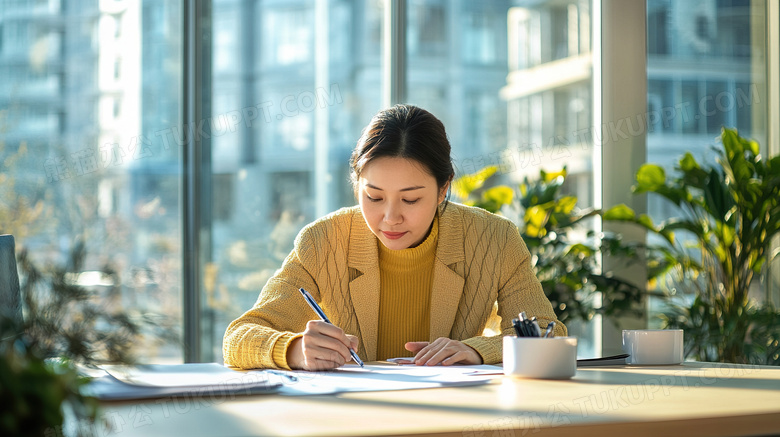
x,y
404,273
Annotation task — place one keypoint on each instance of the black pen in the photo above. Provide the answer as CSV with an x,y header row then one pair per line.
x,y
535,327
522,328
528,327
516,324
313,304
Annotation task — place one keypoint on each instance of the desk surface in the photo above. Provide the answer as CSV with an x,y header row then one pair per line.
x,y
689,399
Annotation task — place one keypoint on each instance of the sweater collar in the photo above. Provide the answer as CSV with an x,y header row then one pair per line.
x,y
446,289
413,257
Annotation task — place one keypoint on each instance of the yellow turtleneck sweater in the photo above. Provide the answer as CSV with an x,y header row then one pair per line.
x,y
405,281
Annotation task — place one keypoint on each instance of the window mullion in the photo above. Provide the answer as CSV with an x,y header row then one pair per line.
x,y
394,59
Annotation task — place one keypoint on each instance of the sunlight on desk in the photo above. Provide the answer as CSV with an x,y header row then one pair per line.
x,y
690,399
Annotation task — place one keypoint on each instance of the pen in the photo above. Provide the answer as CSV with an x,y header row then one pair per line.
x,y
526,325
529,328
518,330
282,374
535,327
313,304
522,328
549,332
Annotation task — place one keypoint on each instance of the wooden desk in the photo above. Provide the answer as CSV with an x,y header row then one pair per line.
x,y
691,399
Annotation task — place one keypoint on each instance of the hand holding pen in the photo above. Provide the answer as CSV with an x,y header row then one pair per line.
x,y
323,345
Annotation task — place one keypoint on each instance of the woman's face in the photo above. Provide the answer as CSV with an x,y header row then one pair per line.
x,y
398,198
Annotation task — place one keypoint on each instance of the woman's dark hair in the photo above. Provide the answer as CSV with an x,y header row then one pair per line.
x,y
405,131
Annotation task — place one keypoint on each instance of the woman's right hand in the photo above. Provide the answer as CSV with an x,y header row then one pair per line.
x,y
323,346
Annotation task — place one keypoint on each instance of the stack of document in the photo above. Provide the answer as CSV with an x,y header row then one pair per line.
x,y
212,379
353,378
158,381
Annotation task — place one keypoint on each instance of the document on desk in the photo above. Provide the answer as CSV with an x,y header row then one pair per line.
x,y
353,378
212,379
118,382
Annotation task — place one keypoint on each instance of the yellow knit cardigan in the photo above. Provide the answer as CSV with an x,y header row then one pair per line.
x,y
480,260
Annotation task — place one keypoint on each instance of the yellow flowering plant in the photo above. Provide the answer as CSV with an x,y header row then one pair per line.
x,y
564,251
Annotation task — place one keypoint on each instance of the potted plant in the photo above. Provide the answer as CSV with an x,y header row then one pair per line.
x,y
716,249
563,249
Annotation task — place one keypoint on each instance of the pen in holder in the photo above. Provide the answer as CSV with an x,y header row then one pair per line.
x,y
540,357
525,327
533,354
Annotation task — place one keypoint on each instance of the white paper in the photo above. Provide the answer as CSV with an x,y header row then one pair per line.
x,y
473,369
353,378
156,381
175,375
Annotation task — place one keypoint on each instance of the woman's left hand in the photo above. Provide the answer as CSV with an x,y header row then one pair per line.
x,y
442,351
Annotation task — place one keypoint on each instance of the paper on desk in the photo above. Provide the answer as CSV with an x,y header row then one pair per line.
x,y
154,381
475,369
174,375
353,378
157,380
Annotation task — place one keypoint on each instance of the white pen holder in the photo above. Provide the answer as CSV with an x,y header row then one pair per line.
x,y
542,358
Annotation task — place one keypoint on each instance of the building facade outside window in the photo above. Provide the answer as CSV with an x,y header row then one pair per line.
x,y
706,66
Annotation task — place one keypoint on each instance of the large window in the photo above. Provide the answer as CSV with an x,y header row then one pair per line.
x,y
89,117
298,89
706,68
99,146
548,93
513,88
94,92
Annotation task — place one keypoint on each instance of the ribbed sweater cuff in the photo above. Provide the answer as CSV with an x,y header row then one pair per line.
x,y
485,347
280,349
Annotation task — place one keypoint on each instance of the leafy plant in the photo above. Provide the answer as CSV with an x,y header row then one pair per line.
x,y
550,223
64,324
65,319
729,213
35,392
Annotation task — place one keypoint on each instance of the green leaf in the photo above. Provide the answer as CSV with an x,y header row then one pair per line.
x,y
464,185
646,221
566,204
580,249
745,144
757,262
535,221
773,167
727,234
717,198
650,177
737,165
693,174
731,143
501,195
688,162
620,212
551,177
